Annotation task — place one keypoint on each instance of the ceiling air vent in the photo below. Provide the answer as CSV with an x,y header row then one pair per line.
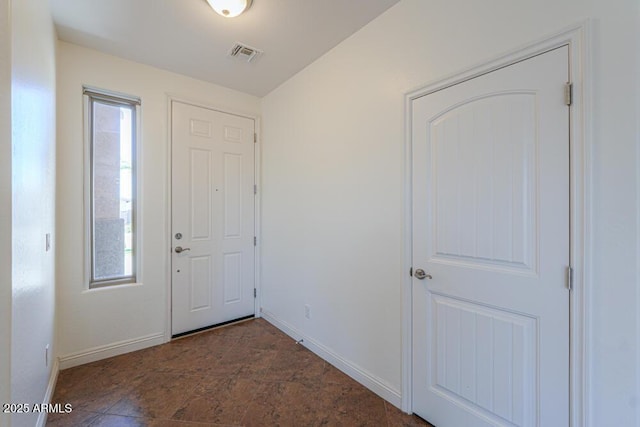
x,y
244,52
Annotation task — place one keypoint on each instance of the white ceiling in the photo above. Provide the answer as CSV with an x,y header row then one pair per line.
x,y
188,37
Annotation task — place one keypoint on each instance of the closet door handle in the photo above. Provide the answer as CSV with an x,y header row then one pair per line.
x,y
421,275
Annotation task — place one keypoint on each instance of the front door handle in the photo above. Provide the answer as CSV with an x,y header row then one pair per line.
x,y
421,275
180,249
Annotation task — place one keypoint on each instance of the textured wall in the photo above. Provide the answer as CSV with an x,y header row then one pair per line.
x,y
333,179
5,207
33,198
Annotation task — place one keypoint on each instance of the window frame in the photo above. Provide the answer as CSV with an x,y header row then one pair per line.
x,y
90,97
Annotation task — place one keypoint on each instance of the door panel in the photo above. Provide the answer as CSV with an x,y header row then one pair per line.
x,y
491,228
232,196
483,359
213,214
201,277
232,277
201,168
484,183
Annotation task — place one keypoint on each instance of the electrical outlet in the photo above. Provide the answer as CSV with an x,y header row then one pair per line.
x,y
46,356
307,311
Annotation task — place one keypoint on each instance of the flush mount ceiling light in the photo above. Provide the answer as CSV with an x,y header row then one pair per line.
x,y
230,8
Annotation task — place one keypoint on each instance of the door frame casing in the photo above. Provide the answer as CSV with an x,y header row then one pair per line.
x,y
577,38
257,156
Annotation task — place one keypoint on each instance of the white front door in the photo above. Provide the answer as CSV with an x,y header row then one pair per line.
x,y
212,230
491,248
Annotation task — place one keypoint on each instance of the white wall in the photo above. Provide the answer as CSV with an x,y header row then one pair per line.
x,y
33,189
333,179
5,207
96,320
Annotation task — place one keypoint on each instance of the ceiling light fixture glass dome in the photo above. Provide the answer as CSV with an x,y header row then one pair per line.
x,y
230,8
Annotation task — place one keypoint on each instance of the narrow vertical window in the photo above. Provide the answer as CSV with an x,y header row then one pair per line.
x,y
112,187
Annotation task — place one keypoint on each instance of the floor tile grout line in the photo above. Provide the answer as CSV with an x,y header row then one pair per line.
x,y
386,411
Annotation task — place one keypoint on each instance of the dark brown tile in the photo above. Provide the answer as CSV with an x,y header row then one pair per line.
x,y
217,370
176,423
215,342
249,374
177,357
158,395
299,366
130,362
72,376
285,404
333,375
351,405
268,341
244,362
267,337
98,392
236,330
119,421
121,376
70,379
224,401
397,418
74,418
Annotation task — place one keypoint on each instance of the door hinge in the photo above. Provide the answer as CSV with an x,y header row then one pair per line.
x,y
255,189
255,293
255,137
568,93
569,277
411,272
255,241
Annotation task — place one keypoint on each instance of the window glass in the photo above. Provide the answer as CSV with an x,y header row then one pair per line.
x,y
113,213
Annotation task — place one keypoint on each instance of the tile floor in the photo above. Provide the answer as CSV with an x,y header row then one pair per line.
x,y
247,374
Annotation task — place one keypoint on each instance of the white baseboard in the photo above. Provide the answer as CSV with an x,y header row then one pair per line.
x,y
373,383
110,350
51,386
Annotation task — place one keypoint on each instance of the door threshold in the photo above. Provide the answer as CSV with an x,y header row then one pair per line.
x,y
216,326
